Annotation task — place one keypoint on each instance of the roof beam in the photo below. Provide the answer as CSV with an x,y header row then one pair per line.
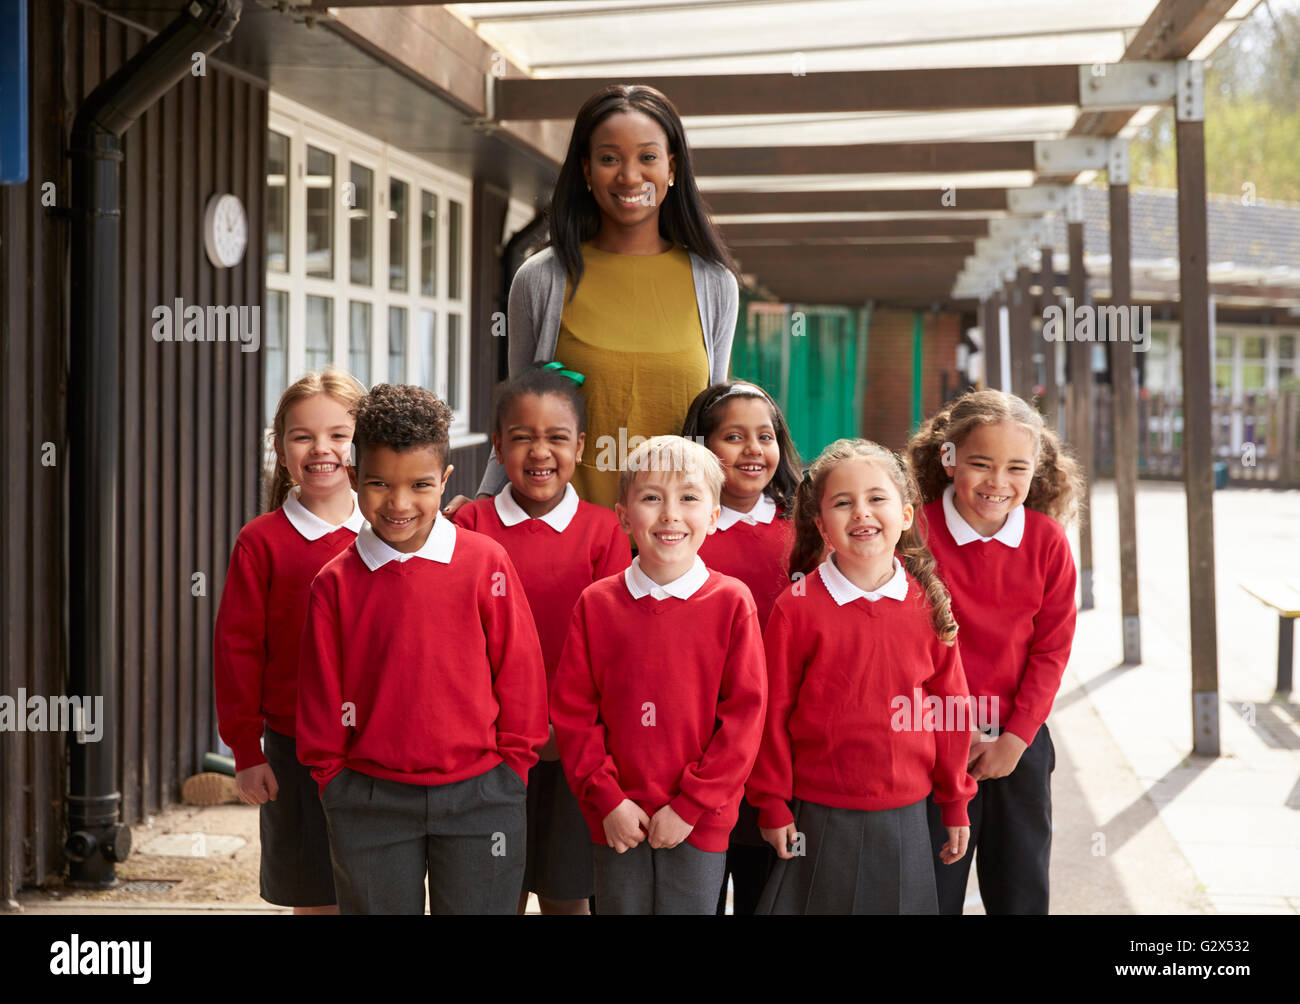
x,y
847,230
1173,29
884,201
958,250
949,88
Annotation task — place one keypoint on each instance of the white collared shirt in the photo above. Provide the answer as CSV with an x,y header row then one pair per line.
x,y
764,511
963,533
438,547
639,584
843,591
311,526
557,519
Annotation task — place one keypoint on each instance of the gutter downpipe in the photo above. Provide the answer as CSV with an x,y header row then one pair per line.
x,y
97,840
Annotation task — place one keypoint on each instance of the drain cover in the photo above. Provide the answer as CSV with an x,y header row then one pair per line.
x,y
150,886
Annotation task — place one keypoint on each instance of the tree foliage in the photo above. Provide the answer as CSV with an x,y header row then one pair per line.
x,y
1252,114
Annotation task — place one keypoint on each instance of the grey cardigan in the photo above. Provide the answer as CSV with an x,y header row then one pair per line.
x,y
537,301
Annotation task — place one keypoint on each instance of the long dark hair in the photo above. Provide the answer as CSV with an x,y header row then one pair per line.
x,y
683,216
702,422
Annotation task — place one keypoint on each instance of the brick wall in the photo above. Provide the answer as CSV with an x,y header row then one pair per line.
x,y
887,404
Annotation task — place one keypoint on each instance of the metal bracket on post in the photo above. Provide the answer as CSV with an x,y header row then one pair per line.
x,y
1132,641
1074,205
1085,589
487,122
1037,199
1121,86
1117,161
1070,155
1205,722
1189,99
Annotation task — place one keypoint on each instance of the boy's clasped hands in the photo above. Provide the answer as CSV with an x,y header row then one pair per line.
x,y
993,758
628,825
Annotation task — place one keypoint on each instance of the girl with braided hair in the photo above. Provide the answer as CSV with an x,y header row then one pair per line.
x,y
856,647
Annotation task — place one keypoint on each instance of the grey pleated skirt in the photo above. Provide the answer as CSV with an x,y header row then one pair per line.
x,y
856,862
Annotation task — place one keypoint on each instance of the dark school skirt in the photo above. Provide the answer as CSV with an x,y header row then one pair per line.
x,y
856,862
296,868
558,863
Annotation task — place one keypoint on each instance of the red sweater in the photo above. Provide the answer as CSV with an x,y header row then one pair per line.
x,y
1015,608
421,672
554,566
259,628
661,701
756,555
835,675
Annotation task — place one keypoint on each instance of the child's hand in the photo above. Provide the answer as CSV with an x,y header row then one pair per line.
x,y
955,847
625,827
667,829
998,758
450,508
550,751
780,838
257,784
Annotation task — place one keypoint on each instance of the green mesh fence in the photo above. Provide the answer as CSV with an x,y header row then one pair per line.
x,y
812,360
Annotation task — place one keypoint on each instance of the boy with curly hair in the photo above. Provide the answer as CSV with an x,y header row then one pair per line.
x,y
422,693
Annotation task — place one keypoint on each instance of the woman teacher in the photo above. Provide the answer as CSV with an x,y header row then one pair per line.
x,y
636,290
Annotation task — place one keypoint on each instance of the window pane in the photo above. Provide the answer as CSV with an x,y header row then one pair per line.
x,y
277,202
453,250
1222,377
453,361
398,214
359,341
428,242
277,362
320,213
397,345
1252,347
1285,347
320,332
1222,347
1252,378
359,224
426,346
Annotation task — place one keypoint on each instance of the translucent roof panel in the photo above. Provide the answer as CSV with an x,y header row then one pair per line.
x,y
862,182
878,127
723,36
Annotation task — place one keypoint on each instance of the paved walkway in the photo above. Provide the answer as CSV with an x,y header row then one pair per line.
x,y
1141,826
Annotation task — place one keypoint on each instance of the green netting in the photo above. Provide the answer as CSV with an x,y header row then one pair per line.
x,y
810,359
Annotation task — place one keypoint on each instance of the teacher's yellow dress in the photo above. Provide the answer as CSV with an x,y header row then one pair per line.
x,y
634,331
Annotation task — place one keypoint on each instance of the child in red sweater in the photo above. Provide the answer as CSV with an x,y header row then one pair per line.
x,y
995,482
423,695
312,516
747,432
559,545
867,705
658,700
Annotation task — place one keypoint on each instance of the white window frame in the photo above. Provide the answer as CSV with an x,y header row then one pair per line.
x,y
304,126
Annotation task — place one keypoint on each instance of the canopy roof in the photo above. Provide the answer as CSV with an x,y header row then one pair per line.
x,y
874,107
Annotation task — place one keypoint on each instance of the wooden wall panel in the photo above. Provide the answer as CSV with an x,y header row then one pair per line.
x,y
189,425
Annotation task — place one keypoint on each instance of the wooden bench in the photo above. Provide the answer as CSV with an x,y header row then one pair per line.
x,y
1285,599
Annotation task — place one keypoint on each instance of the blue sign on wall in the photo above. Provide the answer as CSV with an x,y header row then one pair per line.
x,y
13,92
